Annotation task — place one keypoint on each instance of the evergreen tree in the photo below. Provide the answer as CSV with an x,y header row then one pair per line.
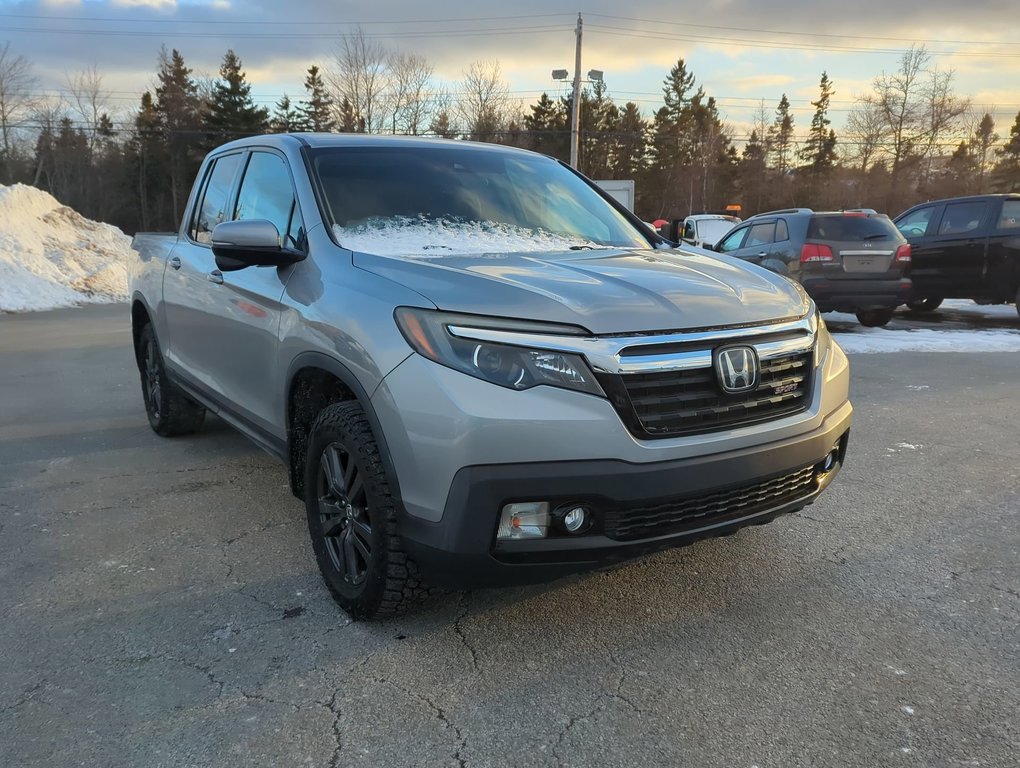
x,y
177,110
781,136
286,118
441,126
232,111
981,146
316,110
631,143
1006,175
819,151
547,129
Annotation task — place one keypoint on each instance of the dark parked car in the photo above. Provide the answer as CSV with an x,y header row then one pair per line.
x,y
964,248
848,261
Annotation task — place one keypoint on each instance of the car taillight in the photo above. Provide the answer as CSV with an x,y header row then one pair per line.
x,y
903,253
815,252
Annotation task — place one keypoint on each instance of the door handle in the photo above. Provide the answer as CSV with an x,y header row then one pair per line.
x,y
761,254
215,277
175,262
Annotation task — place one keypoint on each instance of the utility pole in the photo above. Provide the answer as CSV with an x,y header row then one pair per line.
x,y
575,116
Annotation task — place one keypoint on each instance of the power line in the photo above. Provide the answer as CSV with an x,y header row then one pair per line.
x,y
314,22
728,28
704,39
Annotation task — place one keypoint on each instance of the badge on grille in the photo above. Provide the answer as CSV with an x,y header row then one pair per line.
x,y
737,369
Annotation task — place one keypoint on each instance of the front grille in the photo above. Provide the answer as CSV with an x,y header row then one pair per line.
x,y
699,511
682,402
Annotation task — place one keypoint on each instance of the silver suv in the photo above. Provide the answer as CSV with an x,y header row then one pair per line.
x,y
478,368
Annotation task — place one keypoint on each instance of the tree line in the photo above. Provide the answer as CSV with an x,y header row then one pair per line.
x,y
910,138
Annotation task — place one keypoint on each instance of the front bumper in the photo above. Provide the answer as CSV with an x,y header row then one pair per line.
x,y
460,550
850,295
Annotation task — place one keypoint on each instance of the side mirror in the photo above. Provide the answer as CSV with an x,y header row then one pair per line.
x,y
250,243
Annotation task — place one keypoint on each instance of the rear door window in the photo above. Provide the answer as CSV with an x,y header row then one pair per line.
x,y
961,218
782,231
761,234
212,207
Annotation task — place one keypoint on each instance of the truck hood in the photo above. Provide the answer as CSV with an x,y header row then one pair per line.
x,y
604,291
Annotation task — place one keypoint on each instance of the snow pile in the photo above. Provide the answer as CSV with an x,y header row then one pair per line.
x,y
420,237
52,256
926,340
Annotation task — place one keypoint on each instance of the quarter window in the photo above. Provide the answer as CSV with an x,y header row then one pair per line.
x,y
212,208
267,193
1009,219
782,231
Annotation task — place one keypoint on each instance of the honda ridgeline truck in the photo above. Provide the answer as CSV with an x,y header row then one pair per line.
x,y
478,368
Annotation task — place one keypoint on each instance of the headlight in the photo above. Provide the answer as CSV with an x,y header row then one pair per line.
x,y
427,331
822,337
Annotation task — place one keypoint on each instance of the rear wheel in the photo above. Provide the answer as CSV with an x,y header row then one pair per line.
x,y
170,411
874,318
352,519
924,305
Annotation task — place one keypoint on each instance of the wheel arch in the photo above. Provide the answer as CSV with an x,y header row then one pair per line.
x,y
140,317
315,380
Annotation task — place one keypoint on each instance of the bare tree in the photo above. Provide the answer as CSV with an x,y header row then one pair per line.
x,y
411,102
944,112
16,101
484,104
360,76
89,101
863,134
919,111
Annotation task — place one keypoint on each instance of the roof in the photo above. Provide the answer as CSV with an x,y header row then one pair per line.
x,y
326,140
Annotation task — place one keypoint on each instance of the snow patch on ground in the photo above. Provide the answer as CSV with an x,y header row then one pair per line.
x,y
51,256
423,238
871,340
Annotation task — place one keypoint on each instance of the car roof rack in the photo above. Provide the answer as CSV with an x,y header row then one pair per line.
x,y
859,210
785,210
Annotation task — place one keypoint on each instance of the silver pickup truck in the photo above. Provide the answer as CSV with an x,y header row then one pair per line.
x,y
478,368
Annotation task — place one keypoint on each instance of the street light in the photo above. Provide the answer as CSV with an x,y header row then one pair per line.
x,y
594,76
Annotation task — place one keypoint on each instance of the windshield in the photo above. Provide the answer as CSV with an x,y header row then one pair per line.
x,y
851,228
449,199
711,231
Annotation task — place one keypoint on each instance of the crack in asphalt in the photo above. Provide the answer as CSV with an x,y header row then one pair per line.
x,y
26,696
441,715
459,629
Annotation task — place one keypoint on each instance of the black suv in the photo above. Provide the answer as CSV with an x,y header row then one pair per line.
x,y
964,248
848,261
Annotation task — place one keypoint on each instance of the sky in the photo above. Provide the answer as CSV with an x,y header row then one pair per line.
x,y
741,51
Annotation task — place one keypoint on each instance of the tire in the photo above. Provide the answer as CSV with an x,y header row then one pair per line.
x,y
170,411
924,305
874,318
352,519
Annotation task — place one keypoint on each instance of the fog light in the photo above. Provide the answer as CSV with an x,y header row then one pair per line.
x,y
524,520
575,519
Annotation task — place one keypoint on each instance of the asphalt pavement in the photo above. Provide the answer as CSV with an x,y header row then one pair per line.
x,y
160,605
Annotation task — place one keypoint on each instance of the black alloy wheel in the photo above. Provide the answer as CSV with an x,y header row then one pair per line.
x,y
170,411
352,517
343,514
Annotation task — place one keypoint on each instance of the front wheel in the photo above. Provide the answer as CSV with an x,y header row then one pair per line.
x,y
924,305
352,519
874,318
